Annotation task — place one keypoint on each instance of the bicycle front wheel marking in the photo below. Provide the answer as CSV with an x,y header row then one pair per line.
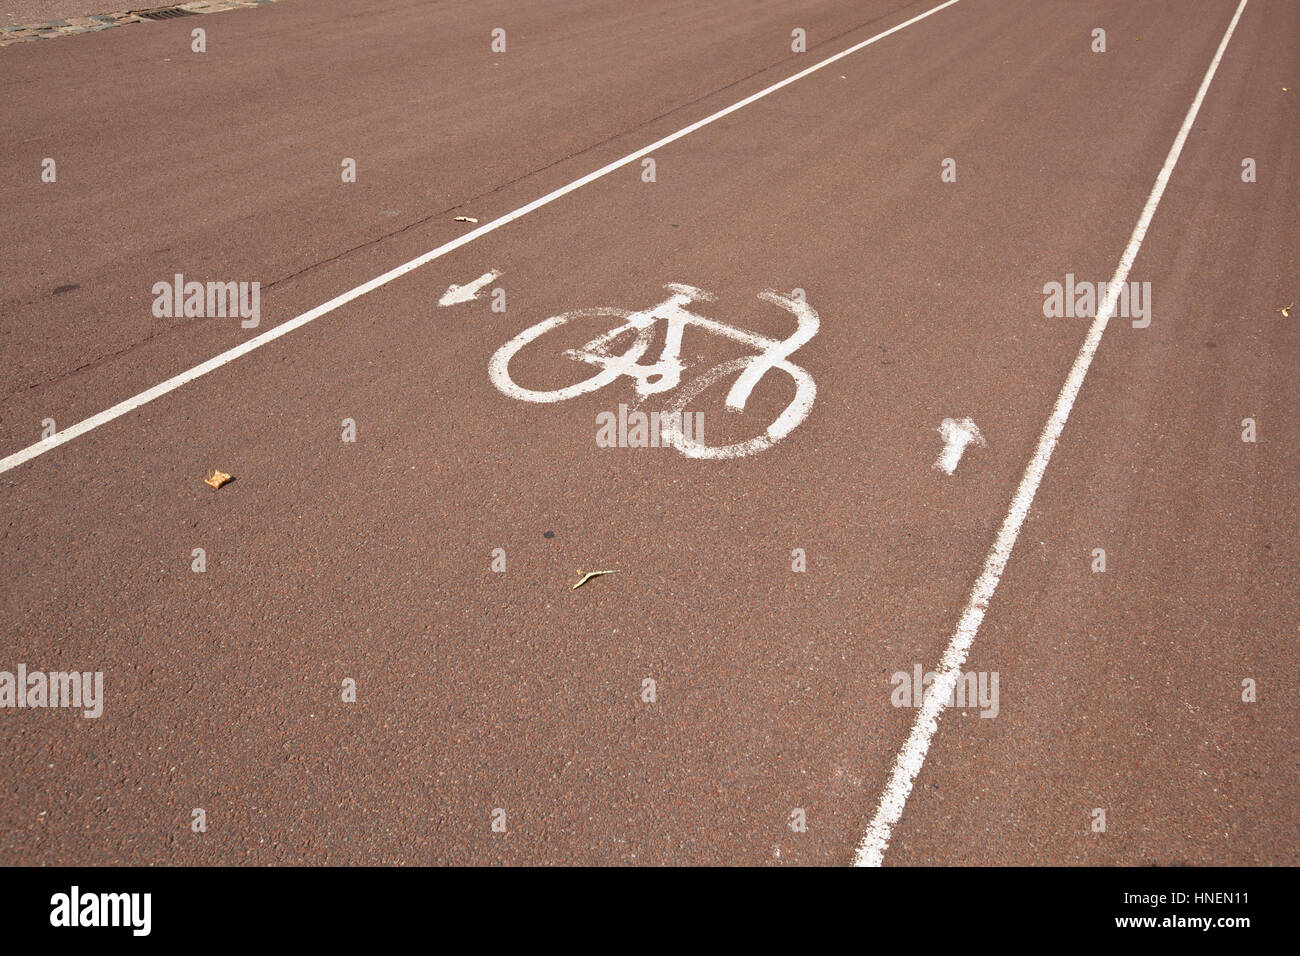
x,y
786,422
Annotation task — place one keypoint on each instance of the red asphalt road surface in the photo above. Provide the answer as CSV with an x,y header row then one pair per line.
x,y
478,690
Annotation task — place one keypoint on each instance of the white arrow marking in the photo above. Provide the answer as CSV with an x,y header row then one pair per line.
x,y
957,434
468,292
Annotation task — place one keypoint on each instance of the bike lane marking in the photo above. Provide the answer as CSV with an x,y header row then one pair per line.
x,y
773,353
871,849
224,358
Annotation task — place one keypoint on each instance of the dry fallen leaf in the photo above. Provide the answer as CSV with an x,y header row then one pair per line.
x,y
1286,309
465,219
216,479
588,576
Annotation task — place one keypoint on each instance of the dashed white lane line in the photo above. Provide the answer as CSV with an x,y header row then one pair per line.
x,y
871,850
225,358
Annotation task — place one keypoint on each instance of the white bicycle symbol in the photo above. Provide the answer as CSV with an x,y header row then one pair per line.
x,y
665,374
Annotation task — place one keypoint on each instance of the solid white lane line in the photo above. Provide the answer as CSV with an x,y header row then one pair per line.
x,y
871,850
175,382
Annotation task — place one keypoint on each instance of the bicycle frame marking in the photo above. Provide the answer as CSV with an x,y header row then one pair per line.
x,y
665,373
